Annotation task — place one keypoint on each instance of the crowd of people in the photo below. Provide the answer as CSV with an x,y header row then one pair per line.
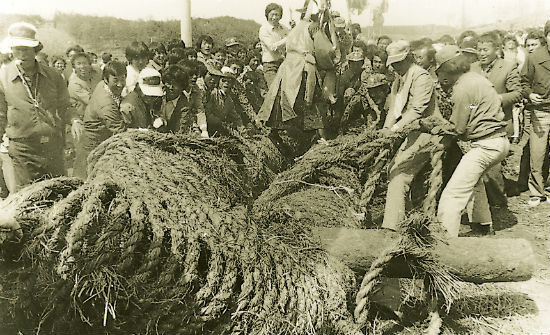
x,y
310,82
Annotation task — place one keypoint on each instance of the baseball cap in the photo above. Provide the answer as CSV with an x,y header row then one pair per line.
x,y
445,54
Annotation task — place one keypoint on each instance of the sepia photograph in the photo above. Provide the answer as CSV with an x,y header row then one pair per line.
x,y
275,167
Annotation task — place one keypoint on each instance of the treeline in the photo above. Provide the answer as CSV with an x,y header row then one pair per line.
x,y
104,33
113,34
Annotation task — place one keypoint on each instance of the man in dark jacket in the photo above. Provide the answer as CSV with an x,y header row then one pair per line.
x,y
505,78
535,77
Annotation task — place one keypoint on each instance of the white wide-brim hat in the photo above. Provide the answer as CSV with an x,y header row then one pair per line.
x,y
21,34
150,82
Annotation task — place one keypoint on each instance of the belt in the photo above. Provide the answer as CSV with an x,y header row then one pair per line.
x,y
495,134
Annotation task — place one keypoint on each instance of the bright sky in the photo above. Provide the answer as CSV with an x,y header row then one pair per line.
x,y
401,12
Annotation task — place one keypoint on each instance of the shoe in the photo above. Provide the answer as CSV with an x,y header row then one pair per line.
x,y
479,229
534,202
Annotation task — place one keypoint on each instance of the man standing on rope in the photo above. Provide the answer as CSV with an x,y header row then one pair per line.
x,y
34,103
272,39
412,97
295,101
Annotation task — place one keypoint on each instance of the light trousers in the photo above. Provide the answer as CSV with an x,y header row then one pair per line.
x,y
411,157
538,142
467,177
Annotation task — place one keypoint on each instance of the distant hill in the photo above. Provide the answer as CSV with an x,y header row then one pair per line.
x,y
111,34
411,32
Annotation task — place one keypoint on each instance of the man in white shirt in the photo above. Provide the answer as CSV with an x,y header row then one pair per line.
x,y
272,39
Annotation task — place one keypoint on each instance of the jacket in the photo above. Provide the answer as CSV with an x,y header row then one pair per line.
x,y
102,118
19,118
535,76
412,96
505,78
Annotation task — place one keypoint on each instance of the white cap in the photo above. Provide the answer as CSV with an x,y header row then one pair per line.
x,y
150,83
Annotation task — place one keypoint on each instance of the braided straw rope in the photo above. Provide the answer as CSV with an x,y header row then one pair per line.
x,y
371,278
436,180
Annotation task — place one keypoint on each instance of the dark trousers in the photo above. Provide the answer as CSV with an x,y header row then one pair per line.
x,y
36,158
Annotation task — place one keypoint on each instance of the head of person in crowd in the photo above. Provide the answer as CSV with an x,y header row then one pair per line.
x,y
534,40
383,41
175,43
226,80
138,55
176,80
273,14
106,57
232,45
355,29
446,40
201,68
378,61
488,46
93,57
220,56
254,62
190,54
24,45
73,50
205,44
82,65
547,33
58,63
241,52
356,60
468,47
399,56
235,65
149,87
192,70
359,46
451,64
258,46
509,43
212,78
114,76
377,86
175,55
424,54
158,51
466,35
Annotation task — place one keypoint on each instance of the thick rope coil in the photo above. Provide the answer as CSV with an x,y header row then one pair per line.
x,y
436,181
370,280
355,99
374,178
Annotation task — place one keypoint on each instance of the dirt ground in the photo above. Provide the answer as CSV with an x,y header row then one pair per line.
x,y
521,308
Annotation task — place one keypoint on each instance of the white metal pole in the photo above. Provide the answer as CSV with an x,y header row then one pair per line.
x,y
186,23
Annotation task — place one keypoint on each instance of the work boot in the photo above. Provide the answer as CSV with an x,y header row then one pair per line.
x,y
482,229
